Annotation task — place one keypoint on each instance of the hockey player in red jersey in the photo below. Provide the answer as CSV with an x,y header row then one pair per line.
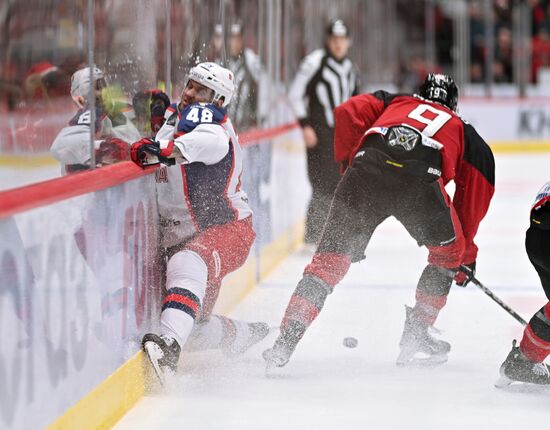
x,y
525,362
399,151
206,222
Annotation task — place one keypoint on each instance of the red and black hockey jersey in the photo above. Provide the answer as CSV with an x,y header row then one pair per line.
x,y
540,211
466,158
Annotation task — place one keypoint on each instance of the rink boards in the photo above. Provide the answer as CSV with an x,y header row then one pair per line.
x,y
327,386
82,281
81,284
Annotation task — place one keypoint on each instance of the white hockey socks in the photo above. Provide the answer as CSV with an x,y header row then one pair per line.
x,y
186,280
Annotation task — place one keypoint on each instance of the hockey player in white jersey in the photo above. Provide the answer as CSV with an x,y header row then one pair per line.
x,y
206,221
525,362
114,131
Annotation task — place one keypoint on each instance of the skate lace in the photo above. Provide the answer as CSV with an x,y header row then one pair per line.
x,y
541,369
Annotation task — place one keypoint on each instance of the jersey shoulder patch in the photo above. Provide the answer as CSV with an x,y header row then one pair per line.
x,y
200,113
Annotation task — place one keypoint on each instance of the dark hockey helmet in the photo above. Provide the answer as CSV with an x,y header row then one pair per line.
x,y
441,89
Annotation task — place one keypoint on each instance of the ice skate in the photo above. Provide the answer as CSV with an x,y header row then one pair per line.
x,y
518,368
284,346
258,332
418,346
277,356
163,354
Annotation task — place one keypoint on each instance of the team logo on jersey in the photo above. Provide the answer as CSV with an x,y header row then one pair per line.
x,y
403,137
161,175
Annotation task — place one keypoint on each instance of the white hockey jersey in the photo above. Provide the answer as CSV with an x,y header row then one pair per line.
x,y
71,147
204,188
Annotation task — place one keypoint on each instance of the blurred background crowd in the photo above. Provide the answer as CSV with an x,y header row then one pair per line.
x,y
492,48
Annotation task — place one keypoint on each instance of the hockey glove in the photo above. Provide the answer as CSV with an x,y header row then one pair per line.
x,y
157,116
143,148
466,273
113,150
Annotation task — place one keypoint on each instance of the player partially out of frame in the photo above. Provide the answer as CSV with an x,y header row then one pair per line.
x,y
525,362
401,150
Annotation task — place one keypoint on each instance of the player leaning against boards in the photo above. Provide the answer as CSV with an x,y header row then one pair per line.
x,y
113,127
401,150
205,219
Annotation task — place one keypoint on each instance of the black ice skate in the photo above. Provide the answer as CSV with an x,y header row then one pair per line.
x,y
518,368
284,346
258,331
163,353
418,347
277,356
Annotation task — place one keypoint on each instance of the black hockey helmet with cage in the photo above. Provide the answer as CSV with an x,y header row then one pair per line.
x,y
441,89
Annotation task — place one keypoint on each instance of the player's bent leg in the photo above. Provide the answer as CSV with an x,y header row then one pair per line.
x,y
185,284
524,363
349,219
304,306
418,346
535,344
224,248
320,277
231,336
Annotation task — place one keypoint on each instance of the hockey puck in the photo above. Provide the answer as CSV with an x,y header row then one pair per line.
x,y
350,342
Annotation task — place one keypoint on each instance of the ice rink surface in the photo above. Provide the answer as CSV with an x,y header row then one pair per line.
x,y
328,386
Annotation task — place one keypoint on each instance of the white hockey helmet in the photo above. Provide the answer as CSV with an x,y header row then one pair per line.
x,y
215,77
80,81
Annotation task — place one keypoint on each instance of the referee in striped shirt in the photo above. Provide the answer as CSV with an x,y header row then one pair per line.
x,y
325,79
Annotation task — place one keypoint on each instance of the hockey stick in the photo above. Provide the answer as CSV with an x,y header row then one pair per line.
x,y
492,295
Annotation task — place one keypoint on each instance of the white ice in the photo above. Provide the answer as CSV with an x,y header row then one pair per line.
x,y
13,177
328,386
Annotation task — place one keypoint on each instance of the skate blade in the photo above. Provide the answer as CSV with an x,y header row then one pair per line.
x,y
407,360
154,354
273,363
503,382
274,371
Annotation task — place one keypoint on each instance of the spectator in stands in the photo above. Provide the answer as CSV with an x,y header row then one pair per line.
x,y
540,52
412,74
503,13
245,65
214,53
477,33
503,67
44,81
476,73
326,78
